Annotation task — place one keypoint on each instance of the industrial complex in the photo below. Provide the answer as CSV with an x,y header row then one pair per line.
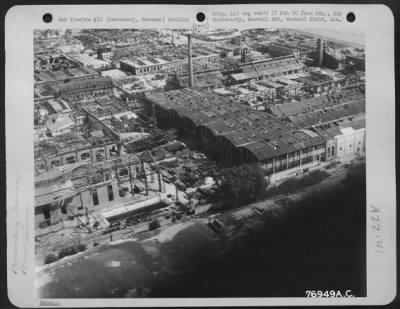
x,y
134,125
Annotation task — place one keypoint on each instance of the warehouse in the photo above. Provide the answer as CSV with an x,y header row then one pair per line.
x,y
267,69
151,65
80,89
235,133
328,114
289,109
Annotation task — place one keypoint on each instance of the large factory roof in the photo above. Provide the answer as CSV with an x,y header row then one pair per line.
x,y
197,52
76,86
272,65
328,114
266,67
101,107
48,76
259,132
283,144
114,74
331,130
140,62
203,80
89,61
305,106
188,99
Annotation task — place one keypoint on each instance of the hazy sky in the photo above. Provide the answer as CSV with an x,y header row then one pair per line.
x,y
356,36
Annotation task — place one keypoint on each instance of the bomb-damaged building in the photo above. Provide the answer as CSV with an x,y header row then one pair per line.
x,y
234,133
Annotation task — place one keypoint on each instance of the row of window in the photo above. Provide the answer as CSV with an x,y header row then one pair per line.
x,y
268,76
331,151
150,69
292,159
91,94
122,172
282,167
99,155
358,148
95,198
95,195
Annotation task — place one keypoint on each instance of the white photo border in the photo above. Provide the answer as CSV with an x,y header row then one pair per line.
x,y
21,21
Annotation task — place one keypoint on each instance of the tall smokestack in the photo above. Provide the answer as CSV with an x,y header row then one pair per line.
x,y
320,52
190,60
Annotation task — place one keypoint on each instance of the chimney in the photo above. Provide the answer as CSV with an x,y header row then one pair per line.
x,y
245,55
320,52
190,60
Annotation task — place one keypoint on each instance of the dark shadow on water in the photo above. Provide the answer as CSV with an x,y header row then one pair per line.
x,y
320,244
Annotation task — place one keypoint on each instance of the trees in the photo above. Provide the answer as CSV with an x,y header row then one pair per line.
x,y
241,185
172,83
71,250
50,258
154,224
291,185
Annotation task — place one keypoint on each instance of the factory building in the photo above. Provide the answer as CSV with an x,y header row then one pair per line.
x,y
90,62
62,152
163,64
53,68
80,89
323,108
270,68
328,114
82,187
344,138
339,118
279,50
235,133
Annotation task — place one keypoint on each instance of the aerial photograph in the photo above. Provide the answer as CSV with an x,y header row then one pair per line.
x,y
199,164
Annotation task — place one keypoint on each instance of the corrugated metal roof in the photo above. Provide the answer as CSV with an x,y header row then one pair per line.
x,y
329,114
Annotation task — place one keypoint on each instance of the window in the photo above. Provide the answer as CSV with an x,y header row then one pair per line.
x,y
333,150
107,176
113,151
358,149
70,160
100,155
95,197
85,156
123,172
46,212
55,163
40,166
110,193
